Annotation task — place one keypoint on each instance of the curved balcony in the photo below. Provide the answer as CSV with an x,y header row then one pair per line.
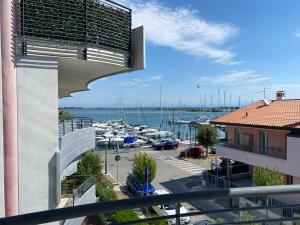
x,y
89,38
77,136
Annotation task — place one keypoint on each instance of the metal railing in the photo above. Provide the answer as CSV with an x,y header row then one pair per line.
x,y
67,126
113,206
89,29
271,151
78,192
213,181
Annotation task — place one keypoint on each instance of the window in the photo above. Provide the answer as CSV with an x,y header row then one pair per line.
x,y
245,142
263,142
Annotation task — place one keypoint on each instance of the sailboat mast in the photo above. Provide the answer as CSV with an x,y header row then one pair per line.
x,y
211,102
160,106
230,101
138,107
173,122
219,98
224,100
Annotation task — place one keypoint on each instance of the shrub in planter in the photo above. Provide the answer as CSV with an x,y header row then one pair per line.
x,y
104,190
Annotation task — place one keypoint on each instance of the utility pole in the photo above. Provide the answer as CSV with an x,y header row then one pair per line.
x,y
239,101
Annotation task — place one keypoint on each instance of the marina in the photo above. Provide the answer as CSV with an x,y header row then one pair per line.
x,y
144,126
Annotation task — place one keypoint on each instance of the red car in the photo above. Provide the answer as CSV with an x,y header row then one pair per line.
x,y
194,152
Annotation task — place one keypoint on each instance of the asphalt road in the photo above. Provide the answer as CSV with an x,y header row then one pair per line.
x,y
173,174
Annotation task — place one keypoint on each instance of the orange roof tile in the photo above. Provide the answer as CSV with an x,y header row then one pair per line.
x,y
284,114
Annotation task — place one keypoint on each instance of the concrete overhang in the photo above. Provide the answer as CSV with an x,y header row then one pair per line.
x,y
74,75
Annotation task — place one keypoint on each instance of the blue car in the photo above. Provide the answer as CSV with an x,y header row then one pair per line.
x,y
138,189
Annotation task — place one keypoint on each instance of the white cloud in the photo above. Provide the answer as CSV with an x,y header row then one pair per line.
x,y
138,82
297,34
156,77
184,30
246,77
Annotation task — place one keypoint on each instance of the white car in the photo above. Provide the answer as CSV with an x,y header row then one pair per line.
x,y
170,209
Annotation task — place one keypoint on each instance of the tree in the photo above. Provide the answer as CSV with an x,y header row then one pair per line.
x,y
207,135
64,115
140,162
90,165
266,177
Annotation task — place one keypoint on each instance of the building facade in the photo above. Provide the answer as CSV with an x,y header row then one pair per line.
x,y
49,50
265,134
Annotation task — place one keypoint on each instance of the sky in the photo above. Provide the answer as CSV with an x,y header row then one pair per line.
x,y
198,48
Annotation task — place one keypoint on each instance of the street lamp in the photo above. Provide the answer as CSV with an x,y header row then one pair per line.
x,y
105,167
190,141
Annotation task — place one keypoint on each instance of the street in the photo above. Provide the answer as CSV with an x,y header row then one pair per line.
x,y
173,174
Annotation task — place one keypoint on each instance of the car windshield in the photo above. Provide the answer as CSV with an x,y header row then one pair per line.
x,y
170,206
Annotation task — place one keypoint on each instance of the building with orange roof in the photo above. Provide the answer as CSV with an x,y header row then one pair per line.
x,y
266,134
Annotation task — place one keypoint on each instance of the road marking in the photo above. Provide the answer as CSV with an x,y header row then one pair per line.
x,y
180,164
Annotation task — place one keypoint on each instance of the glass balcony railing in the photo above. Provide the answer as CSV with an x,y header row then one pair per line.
x,y
270,151
290,211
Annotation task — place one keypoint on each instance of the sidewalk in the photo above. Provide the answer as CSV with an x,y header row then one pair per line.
x,y
118,188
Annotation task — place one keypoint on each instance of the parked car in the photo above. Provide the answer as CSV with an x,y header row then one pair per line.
x,y
138,189
170,209
165,144
194,152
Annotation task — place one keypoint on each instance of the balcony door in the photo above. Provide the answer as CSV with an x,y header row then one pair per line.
x,y
263,142
243,141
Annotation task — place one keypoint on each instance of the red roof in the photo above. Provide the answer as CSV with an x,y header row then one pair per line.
x,y
284,114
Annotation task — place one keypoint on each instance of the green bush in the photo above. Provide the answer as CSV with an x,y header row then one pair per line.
x,y
265,177
130,215
140,161
125,216
104,190
246,217
90,165
64,115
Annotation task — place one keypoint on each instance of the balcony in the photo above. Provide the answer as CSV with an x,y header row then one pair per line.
x,y
76,136
84,29
290,213
83,39
270,151
253,157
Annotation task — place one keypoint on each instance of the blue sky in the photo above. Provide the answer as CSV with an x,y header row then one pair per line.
x,y
235,46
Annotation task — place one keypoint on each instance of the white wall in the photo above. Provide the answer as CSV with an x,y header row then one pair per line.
x,y
290,166
252,158
37,133
75,144
293,155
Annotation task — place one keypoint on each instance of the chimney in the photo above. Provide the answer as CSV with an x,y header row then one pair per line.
x,y
280,95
